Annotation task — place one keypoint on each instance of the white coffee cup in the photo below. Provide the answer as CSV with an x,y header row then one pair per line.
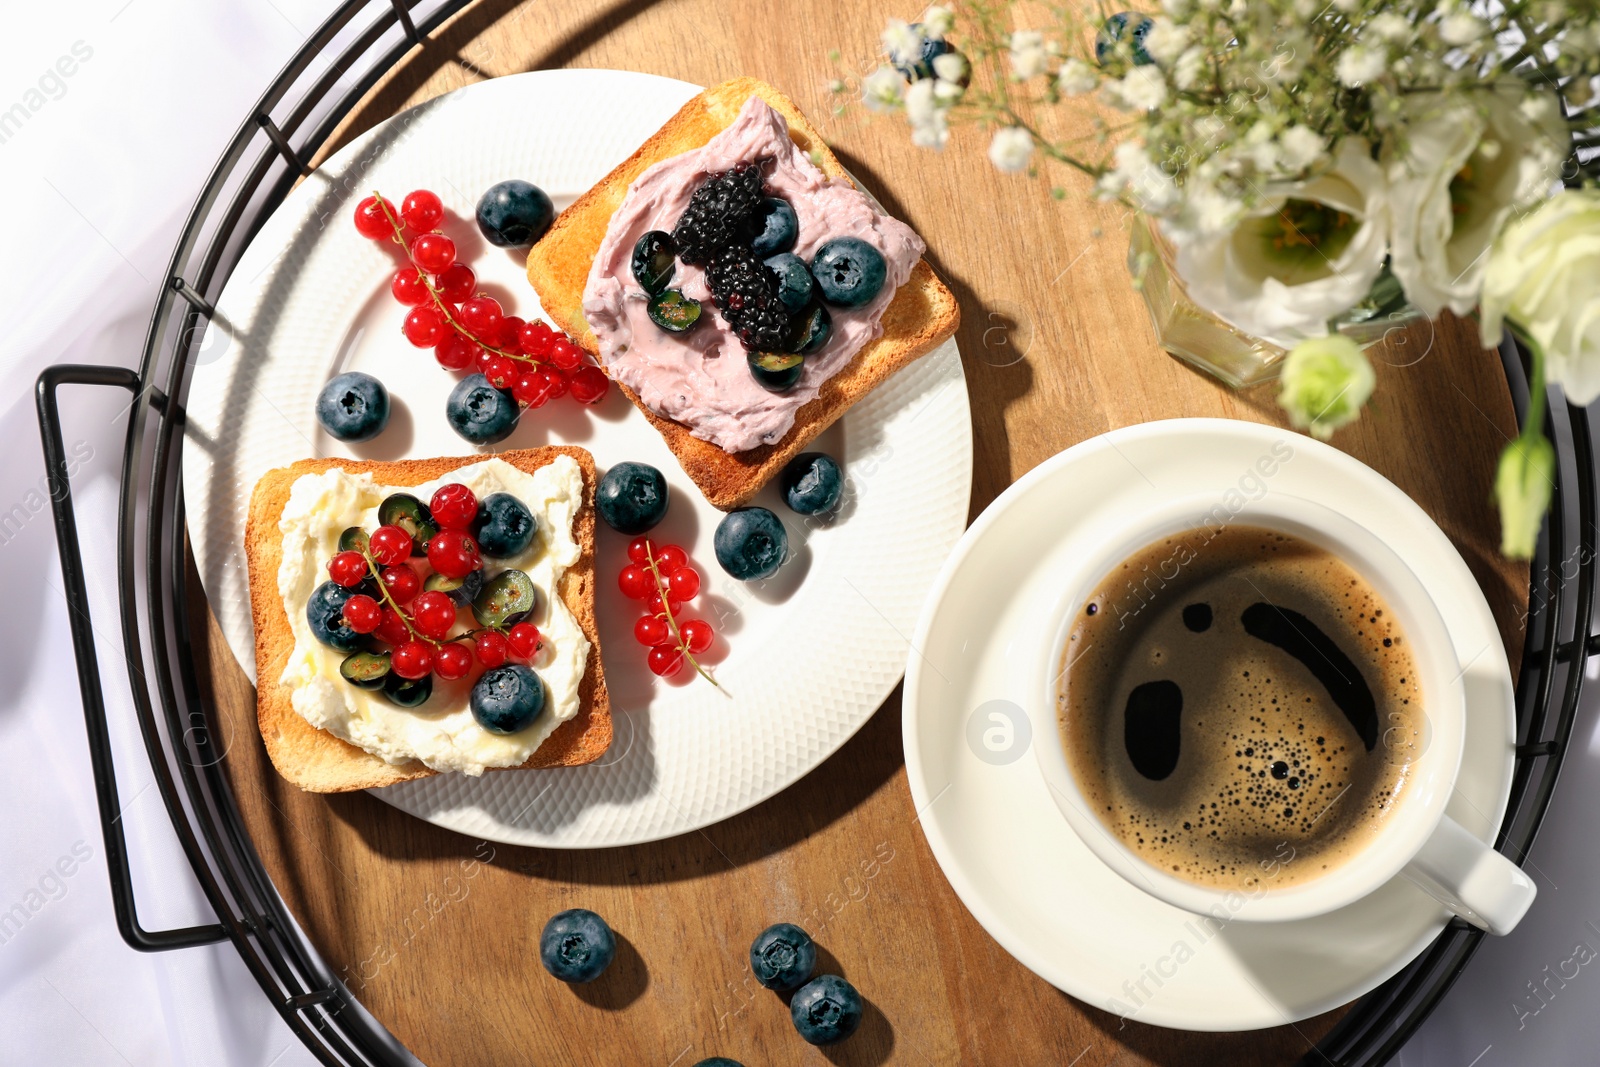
x,y
1414,838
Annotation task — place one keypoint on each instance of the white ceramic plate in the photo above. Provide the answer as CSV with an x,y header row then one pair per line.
x,y
804,659
989,819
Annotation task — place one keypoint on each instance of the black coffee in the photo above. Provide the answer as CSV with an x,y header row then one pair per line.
x,y
1239,707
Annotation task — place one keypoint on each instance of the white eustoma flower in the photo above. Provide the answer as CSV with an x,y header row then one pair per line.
x,y
1076,78
1141,89
1359,64
903,42
1165,40
1389,28
1308,252
883,89
1028,54
1460,167
929,126
1011,149
1461,28
937,21
1299,147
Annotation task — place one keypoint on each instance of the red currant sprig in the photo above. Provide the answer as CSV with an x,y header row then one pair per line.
x,y
663,580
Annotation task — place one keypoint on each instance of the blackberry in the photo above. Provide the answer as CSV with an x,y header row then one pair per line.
x,y
746,291
720,213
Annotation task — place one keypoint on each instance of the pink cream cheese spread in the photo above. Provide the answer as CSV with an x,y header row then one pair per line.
x,y
700,378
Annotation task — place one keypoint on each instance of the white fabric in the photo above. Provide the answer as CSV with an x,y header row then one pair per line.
x,y
93,187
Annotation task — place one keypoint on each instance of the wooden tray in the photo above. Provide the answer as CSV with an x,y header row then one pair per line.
x,y
437,933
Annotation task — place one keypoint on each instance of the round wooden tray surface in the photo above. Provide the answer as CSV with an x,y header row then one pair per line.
x,y
437,933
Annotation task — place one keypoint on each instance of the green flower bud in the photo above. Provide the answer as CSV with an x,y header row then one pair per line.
x,y
1325,382
1522,487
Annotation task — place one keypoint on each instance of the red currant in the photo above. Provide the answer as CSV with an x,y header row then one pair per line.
x,y
524,640
589,385
392,630
484,356
422,211
565,355
697,635
635,582
671,558
409,288
412,659
433,614
452,661
456,282
482,317
347,569
454,506
683,583
371,221
639,549
652,630
390,545
362,613
491,648
665,661
501,371
456,352
655,605
555,383
402,583
425,327
433,252
536,338
511,334
453,553
529,389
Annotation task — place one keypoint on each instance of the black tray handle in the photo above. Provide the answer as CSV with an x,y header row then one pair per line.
x,y
94,708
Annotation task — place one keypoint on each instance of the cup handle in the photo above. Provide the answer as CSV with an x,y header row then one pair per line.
x,y
1471,879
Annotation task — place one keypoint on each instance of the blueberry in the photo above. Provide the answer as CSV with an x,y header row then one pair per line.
x,y
514,214
812,483
849,271
776,371
325,613
353,407
653,261
507,699
826,1009
408,694
781,957
504,526
1111,33
480,412
631,498
794,280
577,945
751,543
923,67
809,330
776,227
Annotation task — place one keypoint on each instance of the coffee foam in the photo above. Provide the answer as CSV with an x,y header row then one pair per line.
x,y
1272,782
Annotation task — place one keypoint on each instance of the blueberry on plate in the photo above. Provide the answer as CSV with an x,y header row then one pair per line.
x,y
811,483
776,227
794,280
514,214
826,1009
849,271
751,543
631,498
508,698
1115,28
325,613
479,412
353,407
576,945
782,956
504,526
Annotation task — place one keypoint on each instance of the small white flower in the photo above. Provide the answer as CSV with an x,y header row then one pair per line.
x,y
1461,28
1135,174
929,126
1359,64
1300,146
883,89
903,42
1191,69
1205,212
1011,149
1348,7
951,67
934,133
1165,40
1389,28
946,93
1141,89
1176,9
1076,78
1028,54
936,22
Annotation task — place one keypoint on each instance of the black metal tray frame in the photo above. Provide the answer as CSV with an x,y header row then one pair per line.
x,y
338,66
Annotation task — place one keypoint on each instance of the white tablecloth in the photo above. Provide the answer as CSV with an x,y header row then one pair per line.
x,y
111,114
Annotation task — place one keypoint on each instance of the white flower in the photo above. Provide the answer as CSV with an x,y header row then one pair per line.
x,y
1324,383
936,22
1135,174
1461,28
1165,40
903,42
1310,251
1190,69
951,67
1299,147
1389,28
1028,54
929,126
1175,8
1463,166
883,89
1011,149
1076,78
1541,276
1141,89
1359,64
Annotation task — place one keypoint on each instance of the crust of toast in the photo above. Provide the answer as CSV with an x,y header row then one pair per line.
x,y
316,760
922,314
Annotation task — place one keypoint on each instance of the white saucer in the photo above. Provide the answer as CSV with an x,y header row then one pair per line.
x,y
1009,854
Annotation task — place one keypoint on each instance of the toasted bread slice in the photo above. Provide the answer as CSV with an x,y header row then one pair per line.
x,y
316,760
922,314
